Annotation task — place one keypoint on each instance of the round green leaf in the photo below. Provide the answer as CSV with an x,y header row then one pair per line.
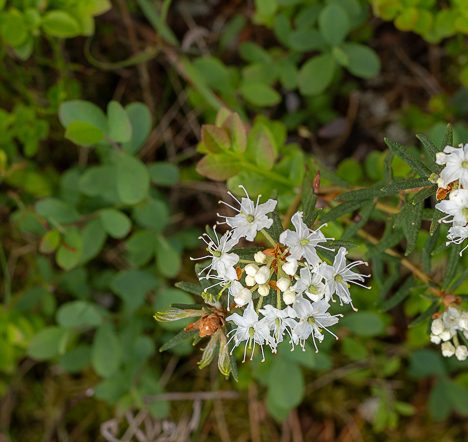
x,y
140,119
133,285
259,94
47,343
76,359
132,179
362,61
14,30
50,241
80,110
285,383
163,174
69,252
57,211
93,237
78,314
333,24
153,214
83,133
168,259
115,223
106,354
120,128
316,74
60,24
140,247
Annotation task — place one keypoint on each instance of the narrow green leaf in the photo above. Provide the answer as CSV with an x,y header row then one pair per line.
x,y
407,155
453,262
189,287
399,296
425,315
177,339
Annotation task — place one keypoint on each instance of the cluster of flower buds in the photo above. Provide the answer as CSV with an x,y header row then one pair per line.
x,y
447,329
453,183
281,292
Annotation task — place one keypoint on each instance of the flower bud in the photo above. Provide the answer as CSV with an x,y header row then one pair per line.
x,y
435,339
251,269
260,257
437,326
224,359
243,297
445,335
174,314
448,349
283,284
461,352
290,267
249,281
289,297
263,275
209,351
264,290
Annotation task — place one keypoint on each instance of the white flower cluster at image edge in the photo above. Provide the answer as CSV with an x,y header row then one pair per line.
x,y
445,329
454,176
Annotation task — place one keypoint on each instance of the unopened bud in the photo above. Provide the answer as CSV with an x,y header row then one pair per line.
x,y
243,297
448,349
263,275
264,290
290,267
251,269
289,297
174,314
209,351
283,284
224,360
260,257
249,281
461,353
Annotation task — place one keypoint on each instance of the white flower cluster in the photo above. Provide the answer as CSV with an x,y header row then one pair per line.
x,y
285,291
445,330
454,176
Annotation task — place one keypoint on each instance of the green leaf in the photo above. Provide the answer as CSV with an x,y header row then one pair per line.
x,y
132,179
305,40
14,28
215,139
264,146
409,219
60,24
333,24
237,132
424,316
153,214
399,296
158,22
413,160
69,253
140,247
93,237
218,167
177,339
189,287
168,260
163,174
47,343
115,223
140,119
80,110
362,61
380,191
259,94
132,286
83,133
285,394
57,211
106,354
76,360
342,209
451,267
316,74
78,314
364,323
430,149
50,241
424,363
309,200
120,127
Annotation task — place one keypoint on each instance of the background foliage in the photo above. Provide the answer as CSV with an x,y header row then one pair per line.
x,y
104,167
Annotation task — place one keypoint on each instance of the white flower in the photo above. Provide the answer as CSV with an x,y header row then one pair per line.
x,y
451,319
222,262
283,284
251,218
263,289
251,269
241,294
461,352
303,241
339,275
289,296
260,258
279,322
290,266
456,208
311,284
448,349
313,317
435,339
455,160
263,275
249,329
456,235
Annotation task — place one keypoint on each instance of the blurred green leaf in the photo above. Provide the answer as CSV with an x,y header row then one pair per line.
x,y
77,314
120,127
333,24
316,74
106,354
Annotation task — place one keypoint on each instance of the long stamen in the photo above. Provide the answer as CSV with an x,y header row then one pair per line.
x,y
228,205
